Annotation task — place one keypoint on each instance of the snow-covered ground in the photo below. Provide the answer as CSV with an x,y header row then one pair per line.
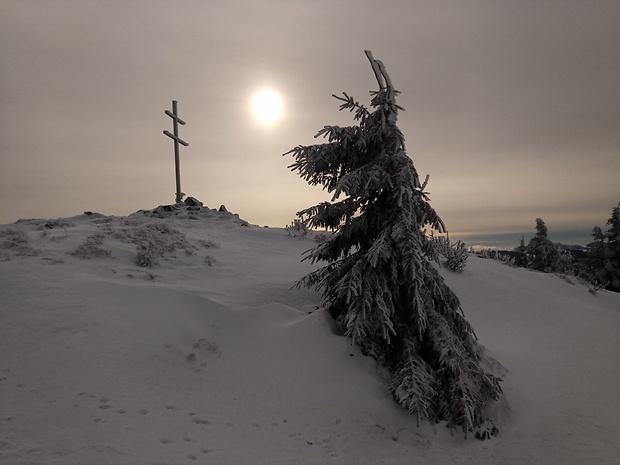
x,y
209,357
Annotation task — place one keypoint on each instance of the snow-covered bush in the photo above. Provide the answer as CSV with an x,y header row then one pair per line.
x,y
594,288
297,229
208,243
17,241
455,253
156,241
92,247
379,281
153,240
321,237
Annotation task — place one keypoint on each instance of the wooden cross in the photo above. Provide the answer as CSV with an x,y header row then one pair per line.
x,y
176,121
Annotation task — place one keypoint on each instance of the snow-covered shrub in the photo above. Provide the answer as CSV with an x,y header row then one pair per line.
x,y
321,237
297,229
505,258
207,243
594,288
17,241
155,241
91,247
455,253
565,278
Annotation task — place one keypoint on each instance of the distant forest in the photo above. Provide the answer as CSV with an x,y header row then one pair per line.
x,y
598,263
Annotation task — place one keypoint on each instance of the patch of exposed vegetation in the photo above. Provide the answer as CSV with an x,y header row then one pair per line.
x,y
17,241
157,241
92,247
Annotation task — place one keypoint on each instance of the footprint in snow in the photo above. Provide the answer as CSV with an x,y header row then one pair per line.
x,y
200,421
102,448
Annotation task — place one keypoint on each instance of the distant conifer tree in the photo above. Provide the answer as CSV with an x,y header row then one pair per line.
x,y
541,253
613,245
602,265
379,282
520,254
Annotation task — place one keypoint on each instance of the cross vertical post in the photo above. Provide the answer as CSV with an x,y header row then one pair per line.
x,y
177,140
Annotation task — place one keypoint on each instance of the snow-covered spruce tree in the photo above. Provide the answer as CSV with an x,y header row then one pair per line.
x,y
541,253
379,282
602,265
593,269
455,253
520,254
612,236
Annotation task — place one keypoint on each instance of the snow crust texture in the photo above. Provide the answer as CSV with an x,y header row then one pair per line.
x,y
172,336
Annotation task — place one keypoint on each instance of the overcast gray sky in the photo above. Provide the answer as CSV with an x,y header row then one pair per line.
x,y
512,107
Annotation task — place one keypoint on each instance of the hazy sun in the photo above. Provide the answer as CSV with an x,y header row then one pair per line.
x,y
267,106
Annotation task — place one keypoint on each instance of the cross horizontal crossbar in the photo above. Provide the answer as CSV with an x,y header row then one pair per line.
x,y
174,117
177,138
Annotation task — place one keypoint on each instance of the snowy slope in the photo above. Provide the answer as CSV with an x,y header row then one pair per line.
x,y
210,356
